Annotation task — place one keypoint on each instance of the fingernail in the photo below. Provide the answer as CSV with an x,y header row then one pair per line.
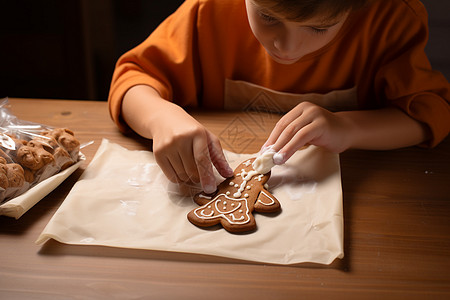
x,y
229,171
278,158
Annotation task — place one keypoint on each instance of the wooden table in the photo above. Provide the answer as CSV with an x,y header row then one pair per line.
x,y
397,229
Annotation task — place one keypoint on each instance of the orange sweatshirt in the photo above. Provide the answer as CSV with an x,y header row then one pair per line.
x,y
205,54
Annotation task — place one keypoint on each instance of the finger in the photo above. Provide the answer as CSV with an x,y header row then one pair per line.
x,y
168,170
290,132
300,140
273,137
180,164
171,163
282,124
189,165
217,157
204,165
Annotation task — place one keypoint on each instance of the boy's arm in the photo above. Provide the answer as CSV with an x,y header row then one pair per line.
x,y
384,129
183,148
381,129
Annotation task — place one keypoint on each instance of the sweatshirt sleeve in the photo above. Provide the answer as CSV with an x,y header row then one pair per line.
x,y
166,59
406,77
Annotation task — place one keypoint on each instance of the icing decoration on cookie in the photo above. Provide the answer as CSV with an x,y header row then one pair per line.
x,y
230,206
247,163
266,199
264,163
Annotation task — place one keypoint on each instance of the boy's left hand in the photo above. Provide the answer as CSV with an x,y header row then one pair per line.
x,y
377,129
308,123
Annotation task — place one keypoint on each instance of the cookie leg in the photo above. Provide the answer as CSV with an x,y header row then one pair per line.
x,y
266,202
247,225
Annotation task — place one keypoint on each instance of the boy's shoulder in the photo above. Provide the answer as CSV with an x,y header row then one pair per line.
x,y
394,16
211,8
220,3
229,9
413,7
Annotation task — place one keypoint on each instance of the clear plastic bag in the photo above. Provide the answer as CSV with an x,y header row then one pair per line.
x,y
31,153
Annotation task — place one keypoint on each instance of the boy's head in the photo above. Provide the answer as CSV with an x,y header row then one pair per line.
x,y
291,29
301,10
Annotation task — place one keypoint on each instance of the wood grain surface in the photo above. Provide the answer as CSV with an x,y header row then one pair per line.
x,y
396,218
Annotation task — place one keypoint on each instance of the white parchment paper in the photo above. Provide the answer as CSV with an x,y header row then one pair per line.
x,y
124,200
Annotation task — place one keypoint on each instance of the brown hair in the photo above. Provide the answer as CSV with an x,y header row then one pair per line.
x,y
300,10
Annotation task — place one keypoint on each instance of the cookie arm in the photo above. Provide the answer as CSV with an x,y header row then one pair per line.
x,y
266,202
203,198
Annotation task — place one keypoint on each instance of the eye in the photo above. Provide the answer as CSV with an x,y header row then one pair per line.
x,y
319,31
267,18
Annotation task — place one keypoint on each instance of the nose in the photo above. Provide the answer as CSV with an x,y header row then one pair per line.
x,y
287,41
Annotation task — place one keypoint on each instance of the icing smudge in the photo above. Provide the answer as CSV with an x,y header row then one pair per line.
x,y
264,163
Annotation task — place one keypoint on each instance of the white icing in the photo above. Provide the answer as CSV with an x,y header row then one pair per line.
x,y
247,163
245,177
237,204
217,203
204,196
205,214
229,215
234,218
267,204
264,163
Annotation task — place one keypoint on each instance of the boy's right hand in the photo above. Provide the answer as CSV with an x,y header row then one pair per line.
x,y
184,149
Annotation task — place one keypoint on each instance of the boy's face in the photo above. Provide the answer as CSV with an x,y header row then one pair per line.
x,y
286,41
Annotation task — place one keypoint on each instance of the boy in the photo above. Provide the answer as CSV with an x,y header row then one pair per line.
x,y
348,74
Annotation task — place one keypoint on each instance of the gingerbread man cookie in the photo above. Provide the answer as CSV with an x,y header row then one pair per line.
x,y
235,200
65,138
4,183
34,158
11,174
